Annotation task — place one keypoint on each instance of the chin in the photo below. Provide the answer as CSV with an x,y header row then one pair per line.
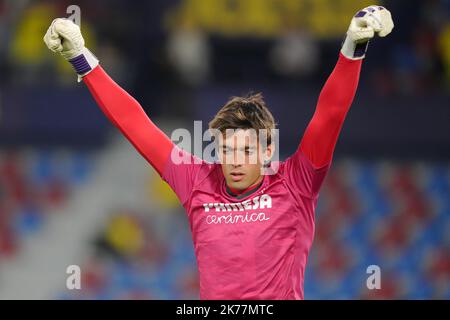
x,y
238,185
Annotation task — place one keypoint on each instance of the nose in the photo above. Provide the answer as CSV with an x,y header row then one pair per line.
x,y
238,158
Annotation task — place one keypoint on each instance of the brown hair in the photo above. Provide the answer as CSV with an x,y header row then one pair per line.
x,y
248,112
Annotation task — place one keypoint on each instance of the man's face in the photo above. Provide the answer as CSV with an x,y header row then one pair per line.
x,y
242,158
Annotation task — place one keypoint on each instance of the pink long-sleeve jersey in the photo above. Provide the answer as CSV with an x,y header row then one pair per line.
x,y
256,246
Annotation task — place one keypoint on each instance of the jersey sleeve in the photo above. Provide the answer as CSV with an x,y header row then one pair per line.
x,y
306,169
303,176
321,135
181,173
127,115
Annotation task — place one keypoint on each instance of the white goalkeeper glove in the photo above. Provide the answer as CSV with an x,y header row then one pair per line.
x,y
64,36
370,21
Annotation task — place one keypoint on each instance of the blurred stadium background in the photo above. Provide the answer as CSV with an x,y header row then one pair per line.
x,y
72,191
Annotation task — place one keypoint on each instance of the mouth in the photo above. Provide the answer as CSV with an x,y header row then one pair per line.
x,y
237,176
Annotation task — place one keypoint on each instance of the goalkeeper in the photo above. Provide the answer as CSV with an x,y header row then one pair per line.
x,y
252,232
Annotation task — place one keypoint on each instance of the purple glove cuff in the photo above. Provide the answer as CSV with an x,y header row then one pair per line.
x,y
80,64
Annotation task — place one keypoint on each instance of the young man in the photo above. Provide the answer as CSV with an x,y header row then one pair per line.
x,y
252,232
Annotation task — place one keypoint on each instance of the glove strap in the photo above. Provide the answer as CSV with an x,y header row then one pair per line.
x,y
84,63
353,50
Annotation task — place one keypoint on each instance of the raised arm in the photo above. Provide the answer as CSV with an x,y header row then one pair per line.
x,y
121,109
129,117
307,168
321,135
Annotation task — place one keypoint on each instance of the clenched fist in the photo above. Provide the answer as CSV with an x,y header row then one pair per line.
x,y
370,21
64,36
